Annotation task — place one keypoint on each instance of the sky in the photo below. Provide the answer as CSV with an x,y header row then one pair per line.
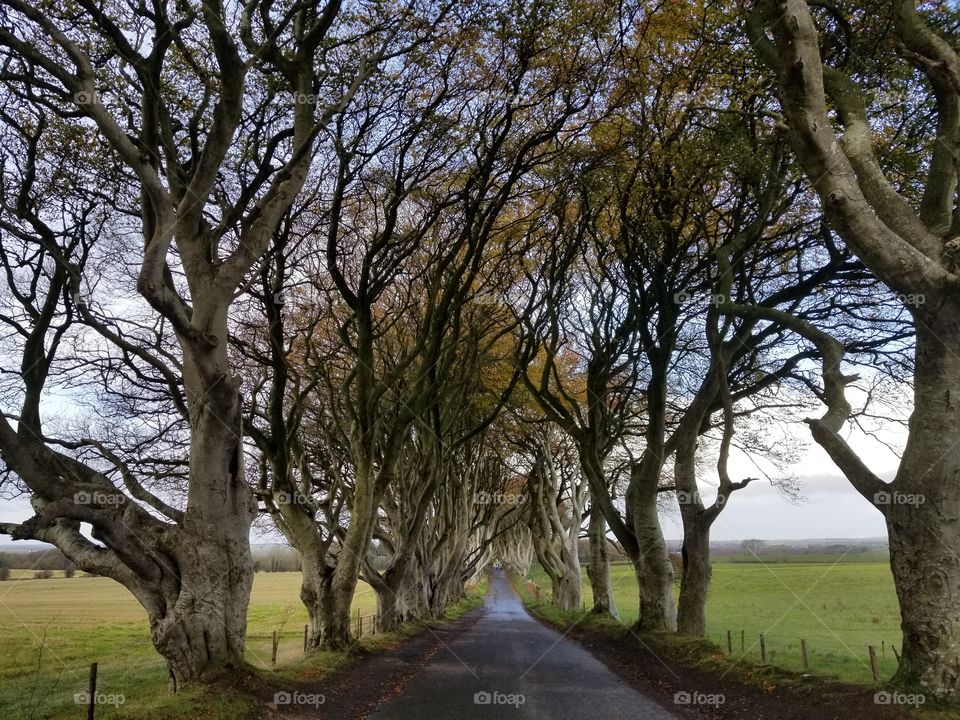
x,y
830,508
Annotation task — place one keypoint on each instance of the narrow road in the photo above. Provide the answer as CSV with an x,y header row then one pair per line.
x,y
508,665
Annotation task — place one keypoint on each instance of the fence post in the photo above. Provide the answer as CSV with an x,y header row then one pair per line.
x,y
359,626
803,653
874,667
729,643
763,649
273,657
92,692
305,632
743,642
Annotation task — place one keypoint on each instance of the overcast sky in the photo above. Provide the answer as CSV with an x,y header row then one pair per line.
x,y
831,508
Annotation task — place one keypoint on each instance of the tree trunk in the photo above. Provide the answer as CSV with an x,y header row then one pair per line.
x,y
697,571
652,563
325,616
328,606
204,622
335,633
446,581
922,510
205,629
566,588
695,552
400,597
599,568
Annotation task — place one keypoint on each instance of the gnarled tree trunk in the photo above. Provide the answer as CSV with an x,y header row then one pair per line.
x,y
697,571
599,568
652,563
922,510
400,596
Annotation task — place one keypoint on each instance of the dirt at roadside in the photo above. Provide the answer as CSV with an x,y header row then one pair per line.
x,y
667,680
370,679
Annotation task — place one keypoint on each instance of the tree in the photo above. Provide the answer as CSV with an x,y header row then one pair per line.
x,y
425,168
212,117
556,492
908,239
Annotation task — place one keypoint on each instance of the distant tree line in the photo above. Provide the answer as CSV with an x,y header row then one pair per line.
x,y
51,559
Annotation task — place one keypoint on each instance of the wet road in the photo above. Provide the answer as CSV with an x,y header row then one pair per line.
x,y
508,665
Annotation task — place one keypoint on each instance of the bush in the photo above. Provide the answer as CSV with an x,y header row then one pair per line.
x,y
43,574
69,572
4,573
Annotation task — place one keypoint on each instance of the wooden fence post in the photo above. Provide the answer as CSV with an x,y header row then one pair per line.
x,y
729,643
874,667
803,653
763,649
276,641
92,692
743,642
306,629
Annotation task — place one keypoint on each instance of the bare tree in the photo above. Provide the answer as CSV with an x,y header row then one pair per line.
x,y
909,241
188,101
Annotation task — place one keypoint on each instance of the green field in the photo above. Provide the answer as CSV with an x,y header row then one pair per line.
x,y
51,630
839,609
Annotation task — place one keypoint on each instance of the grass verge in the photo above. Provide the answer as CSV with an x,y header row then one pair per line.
x,y
701,655
39,678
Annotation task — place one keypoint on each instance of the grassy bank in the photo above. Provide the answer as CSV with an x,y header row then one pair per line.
x,y
699,658
838,608
51,630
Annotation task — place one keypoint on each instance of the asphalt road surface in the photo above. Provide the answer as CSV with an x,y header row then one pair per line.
x,y
507,665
